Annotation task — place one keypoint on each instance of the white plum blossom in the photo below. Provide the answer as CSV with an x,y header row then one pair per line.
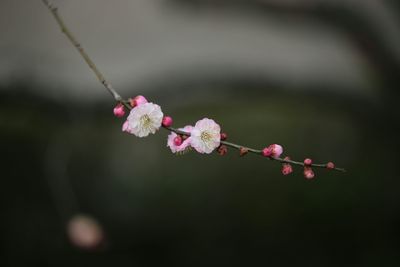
x,y
205,136
143,120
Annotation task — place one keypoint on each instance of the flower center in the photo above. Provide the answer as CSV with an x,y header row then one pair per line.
x,y
205,136
145,121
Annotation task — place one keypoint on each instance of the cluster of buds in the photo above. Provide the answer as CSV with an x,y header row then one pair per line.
x,y
119,109
272,151
222,149
308,171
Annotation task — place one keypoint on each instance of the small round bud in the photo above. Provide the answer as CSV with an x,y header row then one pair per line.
x,y
307,162
137,100
267,152
286,169
178,140
308,173
243,151
167,121
224,136
330,165
119,110
222,150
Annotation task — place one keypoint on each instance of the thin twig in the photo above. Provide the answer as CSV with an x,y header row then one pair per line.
x,y
53,9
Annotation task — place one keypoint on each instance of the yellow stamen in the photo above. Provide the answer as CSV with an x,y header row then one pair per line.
x,y
205,136
145,121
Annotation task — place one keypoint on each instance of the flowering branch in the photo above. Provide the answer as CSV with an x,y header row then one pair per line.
x,y
204,137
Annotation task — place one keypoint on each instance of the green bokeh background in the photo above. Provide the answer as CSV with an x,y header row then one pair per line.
x,y
156,208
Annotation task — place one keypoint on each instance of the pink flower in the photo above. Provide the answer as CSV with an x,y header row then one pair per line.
x,y
119,110
182,145
138,100
206,136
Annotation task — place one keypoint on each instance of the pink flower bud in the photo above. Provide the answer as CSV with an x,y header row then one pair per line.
x,y
308,173
222,150
138,100
286,169
307,162
167,121
276,149
273,150
119,110
330,165
267,152
224,136
178,140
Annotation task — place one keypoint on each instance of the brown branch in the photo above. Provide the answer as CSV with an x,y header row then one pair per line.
x,y
53,9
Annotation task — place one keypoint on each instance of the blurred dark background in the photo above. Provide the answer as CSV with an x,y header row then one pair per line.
x,y
319,77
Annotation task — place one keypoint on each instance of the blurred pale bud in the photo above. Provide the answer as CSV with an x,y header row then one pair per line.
x,y
85,232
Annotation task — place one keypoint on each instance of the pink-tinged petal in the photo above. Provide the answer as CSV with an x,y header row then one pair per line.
x,y
125,127
187,129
